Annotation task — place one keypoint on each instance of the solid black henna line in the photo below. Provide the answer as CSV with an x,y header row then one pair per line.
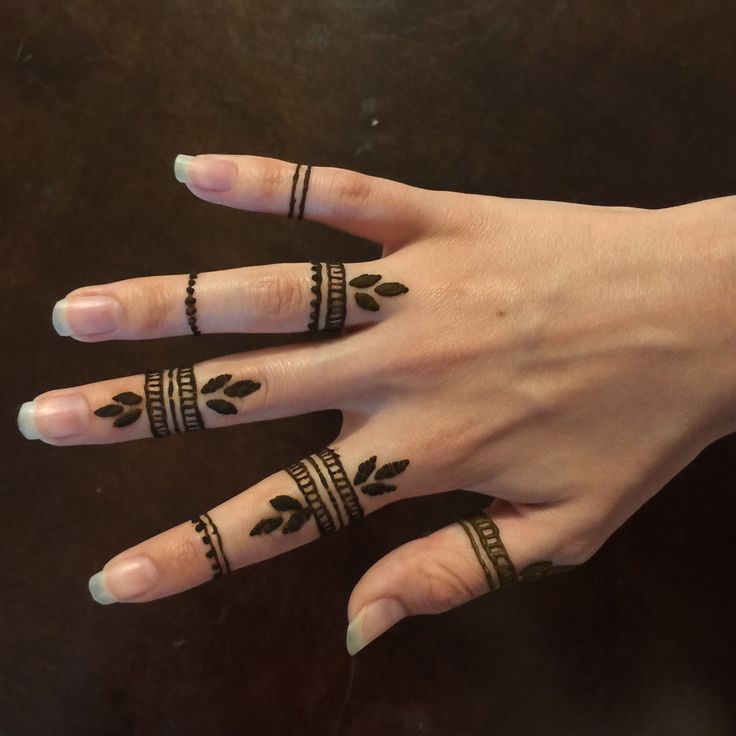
x,y
325,485
294,183
305,189
189,309
316,302
172,405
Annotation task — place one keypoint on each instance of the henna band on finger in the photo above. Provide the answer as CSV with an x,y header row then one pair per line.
x,y
326,494
489,549
304,190
214,551
189,305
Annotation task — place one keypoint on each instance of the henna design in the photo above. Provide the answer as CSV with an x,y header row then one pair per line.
x,y
175,408
294,523
211,538
486,541
236,390
305,189
334,298
389,470
189,308
329,497
485,538
316,303
365,281
125,410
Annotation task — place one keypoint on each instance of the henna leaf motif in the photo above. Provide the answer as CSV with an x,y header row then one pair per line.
x,y
285,503
364,471
215,384
391,288
241,388
365,280
295,522
111,410
128,398
221,406
377,489
127,418
391,470
366,301
266,526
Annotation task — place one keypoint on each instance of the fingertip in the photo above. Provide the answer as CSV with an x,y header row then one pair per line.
x,y
372,621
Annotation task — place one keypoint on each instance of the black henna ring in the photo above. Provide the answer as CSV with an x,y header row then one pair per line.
x,y
305,189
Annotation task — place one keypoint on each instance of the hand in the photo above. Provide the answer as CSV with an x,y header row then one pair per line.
x,y
567,360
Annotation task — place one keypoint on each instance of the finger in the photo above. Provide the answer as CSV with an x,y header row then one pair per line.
x,y
377,209
314,497
287,297
448,568
249,387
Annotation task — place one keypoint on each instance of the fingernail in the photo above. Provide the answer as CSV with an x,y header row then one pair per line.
x,y
53,417
86,315
26,425
205,172
124,580
371,621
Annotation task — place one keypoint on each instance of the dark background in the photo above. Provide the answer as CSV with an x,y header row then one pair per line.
x,y
625,102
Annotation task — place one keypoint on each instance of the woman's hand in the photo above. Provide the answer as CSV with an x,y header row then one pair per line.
x,y
567,360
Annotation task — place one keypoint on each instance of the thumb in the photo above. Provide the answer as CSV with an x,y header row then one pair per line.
x,y
503,545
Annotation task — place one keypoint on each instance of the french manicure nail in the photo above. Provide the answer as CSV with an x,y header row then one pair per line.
x,y
54,417
86,315
371,621
205,172
124,580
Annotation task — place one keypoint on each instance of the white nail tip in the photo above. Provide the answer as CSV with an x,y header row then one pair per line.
x,y
354,640
98,590
26,423
58,318
181,167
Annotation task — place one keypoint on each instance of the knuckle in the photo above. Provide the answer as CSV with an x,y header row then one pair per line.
x,y
186,552
149,307
348,189
271,180
278,297
442,586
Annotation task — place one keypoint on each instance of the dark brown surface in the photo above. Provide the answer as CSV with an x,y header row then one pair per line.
x,y
605,102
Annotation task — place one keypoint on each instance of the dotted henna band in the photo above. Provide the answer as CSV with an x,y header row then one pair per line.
x,y
189,305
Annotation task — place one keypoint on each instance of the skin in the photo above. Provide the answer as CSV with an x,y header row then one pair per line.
x,y
566,360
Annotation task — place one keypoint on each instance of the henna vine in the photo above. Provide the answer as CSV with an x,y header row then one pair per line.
x,y
285,505
236,390
125,410
365,281
189,305
390,470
